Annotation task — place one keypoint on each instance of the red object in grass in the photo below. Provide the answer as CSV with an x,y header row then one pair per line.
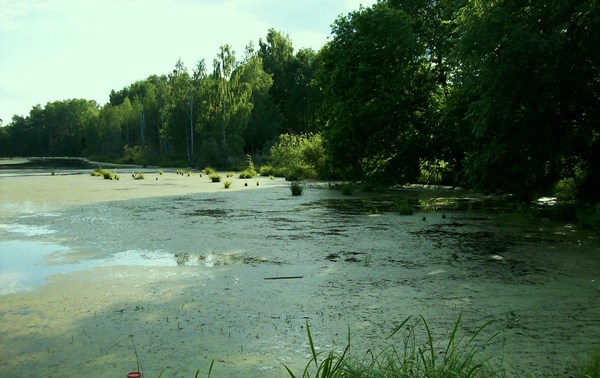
x,y
134,374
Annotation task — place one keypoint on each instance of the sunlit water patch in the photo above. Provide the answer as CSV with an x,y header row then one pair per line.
x,y
25,265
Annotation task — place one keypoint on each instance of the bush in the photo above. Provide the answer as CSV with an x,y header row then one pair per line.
x,y
565,190
298,156
267,170
296,188
589,217
214,177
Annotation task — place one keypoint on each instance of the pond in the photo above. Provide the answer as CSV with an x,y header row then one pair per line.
x,y
235,276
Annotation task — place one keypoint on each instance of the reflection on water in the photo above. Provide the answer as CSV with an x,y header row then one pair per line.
x,y
25,265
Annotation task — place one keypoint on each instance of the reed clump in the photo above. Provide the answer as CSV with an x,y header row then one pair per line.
x,y
413,356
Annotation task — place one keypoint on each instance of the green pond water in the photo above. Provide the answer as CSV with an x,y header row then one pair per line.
x,y
360,266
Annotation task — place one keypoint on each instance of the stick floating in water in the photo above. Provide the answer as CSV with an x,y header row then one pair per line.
x,y
284,278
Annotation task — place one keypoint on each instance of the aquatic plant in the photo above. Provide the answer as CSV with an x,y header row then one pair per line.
x,y
347,189
229,174
209,171
137,176
247,173
161,172
589,368
296,188
108,175
415,356
214,177
404,208
227,184
271,177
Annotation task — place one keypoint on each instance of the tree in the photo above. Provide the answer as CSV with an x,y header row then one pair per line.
x,y
377,90
533,103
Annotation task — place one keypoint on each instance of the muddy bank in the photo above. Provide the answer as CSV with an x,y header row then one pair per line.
x,y
181,266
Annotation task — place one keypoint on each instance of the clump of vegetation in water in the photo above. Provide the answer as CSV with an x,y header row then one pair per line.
x,y
137,176
229,174
227,184
404,208
209,171
415,356
296,188
249,172
348,189
214,177
105,173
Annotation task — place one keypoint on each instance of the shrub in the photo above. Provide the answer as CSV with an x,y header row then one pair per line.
x,y
296,188
565,190
227,184
589,217
267,170
298,155
214,177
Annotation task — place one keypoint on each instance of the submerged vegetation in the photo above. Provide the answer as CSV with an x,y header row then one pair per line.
x,y
296,188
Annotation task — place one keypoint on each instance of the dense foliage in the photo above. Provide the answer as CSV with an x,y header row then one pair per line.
x,y
495,95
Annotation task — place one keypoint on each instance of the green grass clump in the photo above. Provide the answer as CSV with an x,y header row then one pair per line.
x,y
296,188
227,184
415,356
589,368
229,174
161,172
214,177
105,173
247,173
137,176
209,171
404,208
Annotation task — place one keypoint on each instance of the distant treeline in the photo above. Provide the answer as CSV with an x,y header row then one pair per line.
x,y
494,95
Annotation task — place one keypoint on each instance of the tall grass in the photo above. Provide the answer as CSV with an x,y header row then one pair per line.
x,y
415,356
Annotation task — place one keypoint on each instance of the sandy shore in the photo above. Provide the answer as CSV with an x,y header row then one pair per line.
x,y
178,265
48,192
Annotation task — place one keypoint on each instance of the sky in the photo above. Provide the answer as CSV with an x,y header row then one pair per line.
x,y
53,50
